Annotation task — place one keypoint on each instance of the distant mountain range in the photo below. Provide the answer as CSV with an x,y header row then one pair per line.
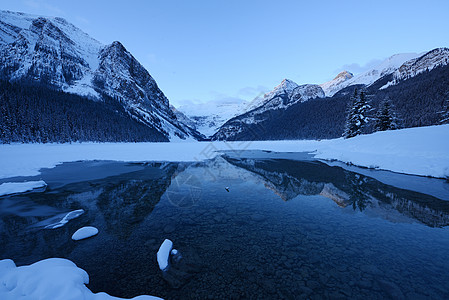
x,y
208,117
417,85
52,52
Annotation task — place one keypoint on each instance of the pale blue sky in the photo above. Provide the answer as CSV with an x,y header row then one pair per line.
x,y
209,50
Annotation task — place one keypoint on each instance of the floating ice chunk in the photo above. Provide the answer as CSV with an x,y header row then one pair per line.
x,y
8,188
48,279
84,233
163,254
174,252
69,216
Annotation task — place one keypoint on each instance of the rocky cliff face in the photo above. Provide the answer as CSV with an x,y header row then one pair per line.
x,y
47,50
427,62
53,52
289,93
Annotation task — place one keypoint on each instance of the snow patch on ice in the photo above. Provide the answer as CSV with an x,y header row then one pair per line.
x,y
8,188
163,254
84,233
65,219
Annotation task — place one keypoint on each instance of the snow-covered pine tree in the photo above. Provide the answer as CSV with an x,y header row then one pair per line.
x,y
357,115
350,125
386,117
444,119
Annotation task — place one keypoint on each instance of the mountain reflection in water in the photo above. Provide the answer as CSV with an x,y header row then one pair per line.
x,y
246,228
288,179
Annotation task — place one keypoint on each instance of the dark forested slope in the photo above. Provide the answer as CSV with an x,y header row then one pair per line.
x,y
36,113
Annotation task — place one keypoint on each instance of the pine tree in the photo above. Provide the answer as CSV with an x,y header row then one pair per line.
x,y
445,113
386,118
357,115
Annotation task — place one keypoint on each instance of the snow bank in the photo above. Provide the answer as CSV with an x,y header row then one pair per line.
x,y
163,254
8,188
49,279
418,151
84,233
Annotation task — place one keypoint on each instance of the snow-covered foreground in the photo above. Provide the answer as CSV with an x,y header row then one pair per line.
x,y
419,151
48,279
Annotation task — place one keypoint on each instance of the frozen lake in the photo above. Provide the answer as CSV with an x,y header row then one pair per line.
x,y
248,225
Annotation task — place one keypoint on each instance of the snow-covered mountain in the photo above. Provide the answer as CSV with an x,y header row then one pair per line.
x,y
289,93
333,86
415,66
51,51
286,94
388,66
402,66
208,117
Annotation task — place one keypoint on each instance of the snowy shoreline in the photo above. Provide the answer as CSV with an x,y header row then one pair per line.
x,y
49,279
420,151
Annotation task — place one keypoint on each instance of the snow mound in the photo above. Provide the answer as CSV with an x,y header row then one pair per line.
x,y
84,233
8,188
163,254
48,279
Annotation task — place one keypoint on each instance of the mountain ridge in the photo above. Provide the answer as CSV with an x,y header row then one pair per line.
x,y
254,125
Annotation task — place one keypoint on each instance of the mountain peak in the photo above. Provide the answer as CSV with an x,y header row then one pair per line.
x,y
344,75
334,85
287,81
117,44
286,85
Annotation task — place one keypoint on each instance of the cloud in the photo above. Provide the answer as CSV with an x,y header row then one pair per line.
x,y
184,102
356,68
250,91
244,94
